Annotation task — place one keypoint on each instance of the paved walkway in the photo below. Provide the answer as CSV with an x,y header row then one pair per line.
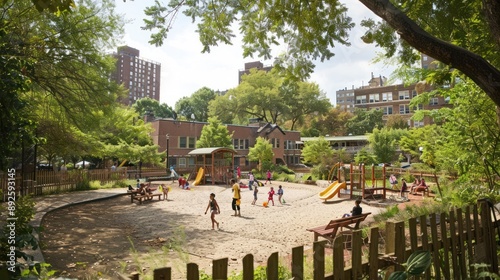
x,y
47,203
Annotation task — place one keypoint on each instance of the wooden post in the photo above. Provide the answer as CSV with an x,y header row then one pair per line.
x,y
338,257
272,267
248,267
192,271
373,251
319,260
164,273
219,269
297,263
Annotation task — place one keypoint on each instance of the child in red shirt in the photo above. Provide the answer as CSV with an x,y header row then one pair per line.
x,y
271,196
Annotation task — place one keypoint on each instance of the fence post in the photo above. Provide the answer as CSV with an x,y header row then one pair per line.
x,y
272,267
319,260
219,268
192,271
297,263
338,258
373,253
248,267
489,237
164,273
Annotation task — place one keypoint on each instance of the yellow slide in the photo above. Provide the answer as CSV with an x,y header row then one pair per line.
x,y
332,190
199,177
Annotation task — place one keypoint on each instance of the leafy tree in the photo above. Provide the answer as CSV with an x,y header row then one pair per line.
x,y
365,157
306,99
59,55
384,143
148,105
334,122
262,152
436,28
421,143
196,104
262,95
214,134
364,121
396,122
317,151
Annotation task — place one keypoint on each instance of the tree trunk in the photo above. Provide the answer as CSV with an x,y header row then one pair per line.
x,y
485,75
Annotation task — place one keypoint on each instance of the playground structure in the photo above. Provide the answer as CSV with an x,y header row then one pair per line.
x,y
214,165
355,182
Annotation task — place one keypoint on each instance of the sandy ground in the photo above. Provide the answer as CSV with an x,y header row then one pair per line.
x,y
181,226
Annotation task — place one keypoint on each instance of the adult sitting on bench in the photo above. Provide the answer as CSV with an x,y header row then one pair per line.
x,y
422,187
356,210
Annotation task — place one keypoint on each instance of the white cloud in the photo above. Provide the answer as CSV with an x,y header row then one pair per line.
x,y
185,69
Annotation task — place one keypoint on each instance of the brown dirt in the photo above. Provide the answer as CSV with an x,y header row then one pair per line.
x,y
88,240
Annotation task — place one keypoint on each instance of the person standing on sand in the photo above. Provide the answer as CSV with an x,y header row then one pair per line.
x,y
271,196
268,176
280,194
255,191
236,198
214,209
251,178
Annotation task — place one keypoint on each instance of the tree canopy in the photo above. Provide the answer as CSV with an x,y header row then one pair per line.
x,y
264,95
195,105
214,134
449,31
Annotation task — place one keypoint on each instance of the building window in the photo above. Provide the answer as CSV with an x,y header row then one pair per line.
x,y
182,162
361,99
387,110
192,142
404,109
191,162
418,123
387,96
405,94
183,142
375,97
434,101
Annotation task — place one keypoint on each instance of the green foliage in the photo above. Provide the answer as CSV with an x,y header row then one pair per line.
x,y
149,106
41,271
418,262
384,143
214,134
364,121
196,105
317,151
365,157
262,152
24,211
264,95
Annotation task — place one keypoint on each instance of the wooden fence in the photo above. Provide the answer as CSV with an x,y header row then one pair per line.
x,y
457,240
48,181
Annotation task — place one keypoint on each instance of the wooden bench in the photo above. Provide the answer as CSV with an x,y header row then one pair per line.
x,y
330,230
143,197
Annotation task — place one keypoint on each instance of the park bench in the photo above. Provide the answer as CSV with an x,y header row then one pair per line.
x,y
144,197
330,230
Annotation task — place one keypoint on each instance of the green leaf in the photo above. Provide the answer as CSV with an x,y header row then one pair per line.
x,y
398,275
418,262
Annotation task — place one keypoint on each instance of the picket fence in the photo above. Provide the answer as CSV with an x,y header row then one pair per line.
x,y
457,240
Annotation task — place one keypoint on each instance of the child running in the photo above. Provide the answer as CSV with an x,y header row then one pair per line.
x,y
271,196
214,209
255,191
280,194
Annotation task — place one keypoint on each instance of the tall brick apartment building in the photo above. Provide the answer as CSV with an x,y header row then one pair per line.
x,y
139,75
182,136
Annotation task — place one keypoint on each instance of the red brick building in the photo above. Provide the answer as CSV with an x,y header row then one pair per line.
x,y
182,137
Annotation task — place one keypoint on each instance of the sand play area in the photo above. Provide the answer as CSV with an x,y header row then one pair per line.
x,y
98,236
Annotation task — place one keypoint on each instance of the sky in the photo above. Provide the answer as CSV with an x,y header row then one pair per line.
x,y
185,69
